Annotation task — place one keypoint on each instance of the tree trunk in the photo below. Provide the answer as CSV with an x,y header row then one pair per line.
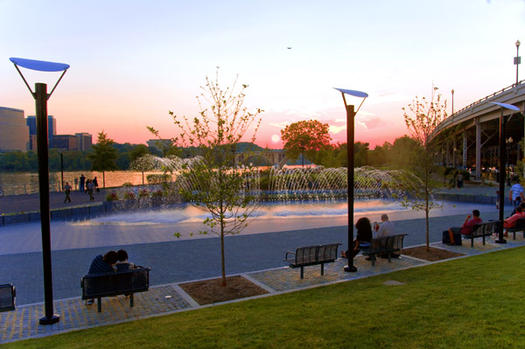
x,y
103,179
142,177
223,267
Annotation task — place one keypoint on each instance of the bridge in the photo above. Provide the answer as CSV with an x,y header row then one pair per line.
x,y
469,137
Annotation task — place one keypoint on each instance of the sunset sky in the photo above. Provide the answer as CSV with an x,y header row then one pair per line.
x,y
133,61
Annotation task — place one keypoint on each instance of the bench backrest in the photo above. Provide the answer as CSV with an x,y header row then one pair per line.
x,y
316,254
485,228
388,243
327,252
101,285
304,255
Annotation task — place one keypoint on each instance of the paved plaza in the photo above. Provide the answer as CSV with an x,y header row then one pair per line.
x,y
256,255
170,298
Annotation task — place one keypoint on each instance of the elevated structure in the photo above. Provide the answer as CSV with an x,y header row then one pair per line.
x,y
469,137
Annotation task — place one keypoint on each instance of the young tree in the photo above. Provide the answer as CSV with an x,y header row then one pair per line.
x,y
306,138
422,117
103,156
211,180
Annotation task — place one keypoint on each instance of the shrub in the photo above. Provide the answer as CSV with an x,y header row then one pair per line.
x,y
143,193
112,196
129,195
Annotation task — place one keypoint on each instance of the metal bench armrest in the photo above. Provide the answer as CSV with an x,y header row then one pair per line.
x,y
286,255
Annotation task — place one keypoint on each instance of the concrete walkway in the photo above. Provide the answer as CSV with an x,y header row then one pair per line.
x,y
170,298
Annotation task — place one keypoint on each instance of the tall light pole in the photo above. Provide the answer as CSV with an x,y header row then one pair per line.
x,y
452,92
350,121
41,96
502,124
517,59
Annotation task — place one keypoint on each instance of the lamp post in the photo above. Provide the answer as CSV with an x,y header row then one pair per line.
x,y
517,59
452,92
502,124
350,118
41,96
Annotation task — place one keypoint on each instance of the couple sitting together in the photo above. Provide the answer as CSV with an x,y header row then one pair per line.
x,y
364,235
112,261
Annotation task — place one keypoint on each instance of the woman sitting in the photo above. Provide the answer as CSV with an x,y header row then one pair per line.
x,y
363,238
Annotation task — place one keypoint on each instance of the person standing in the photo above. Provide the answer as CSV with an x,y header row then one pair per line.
x,y
82,182
89,187
516,193
67,191
95,184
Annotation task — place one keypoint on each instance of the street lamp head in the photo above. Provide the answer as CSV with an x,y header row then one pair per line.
x,y
506,106
44,66
517,43
354,93
34,64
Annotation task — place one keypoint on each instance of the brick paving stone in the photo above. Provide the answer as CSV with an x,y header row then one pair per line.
x,y
22,323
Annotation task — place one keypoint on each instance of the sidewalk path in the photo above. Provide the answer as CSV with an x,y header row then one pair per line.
x,y
165,299
31,202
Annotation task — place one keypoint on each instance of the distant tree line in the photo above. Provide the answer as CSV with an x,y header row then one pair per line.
x,y
19,161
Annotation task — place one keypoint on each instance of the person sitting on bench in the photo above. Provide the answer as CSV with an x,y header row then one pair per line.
x,y
123,264
467,226
363,238
513,220
102,264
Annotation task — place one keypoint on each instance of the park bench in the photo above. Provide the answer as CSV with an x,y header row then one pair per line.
x,y
114,284
386,245
312,255
520,226
7,297
481,230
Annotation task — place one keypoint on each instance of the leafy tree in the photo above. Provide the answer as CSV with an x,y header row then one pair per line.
x,y
103,156
306,138
210,181
422,117
138,151
403,153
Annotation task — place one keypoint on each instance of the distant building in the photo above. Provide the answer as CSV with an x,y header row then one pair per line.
x,y
84,141
51,130
64,142
13,130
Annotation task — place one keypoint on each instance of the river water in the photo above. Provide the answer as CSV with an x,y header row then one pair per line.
x,y
27,182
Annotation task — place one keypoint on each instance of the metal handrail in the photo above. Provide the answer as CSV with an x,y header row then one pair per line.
x,y
451,118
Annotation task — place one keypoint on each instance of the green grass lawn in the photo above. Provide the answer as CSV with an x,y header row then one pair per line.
x,y
476,302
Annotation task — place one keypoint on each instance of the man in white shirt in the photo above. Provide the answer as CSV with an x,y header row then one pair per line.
x,y
386,228
516,194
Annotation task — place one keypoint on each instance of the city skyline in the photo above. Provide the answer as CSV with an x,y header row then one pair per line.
x,y
132,62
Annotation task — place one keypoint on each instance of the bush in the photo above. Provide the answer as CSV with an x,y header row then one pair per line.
x,y
112,196
129,195
157,194
143,193
127,184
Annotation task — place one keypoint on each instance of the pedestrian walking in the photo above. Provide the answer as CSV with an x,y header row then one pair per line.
x,y
516,193
82,181
89,186
67,191
95,184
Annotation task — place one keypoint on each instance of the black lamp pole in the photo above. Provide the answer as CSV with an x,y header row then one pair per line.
x,y
502,175
41,96
43,183
350,116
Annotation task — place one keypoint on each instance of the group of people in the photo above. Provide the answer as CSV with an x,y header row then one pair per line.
x,y
88,186
110,262
365,234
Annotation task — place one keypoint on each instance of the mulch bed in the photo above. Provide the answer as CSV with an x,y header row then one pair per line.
x,y
212,291
432,254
